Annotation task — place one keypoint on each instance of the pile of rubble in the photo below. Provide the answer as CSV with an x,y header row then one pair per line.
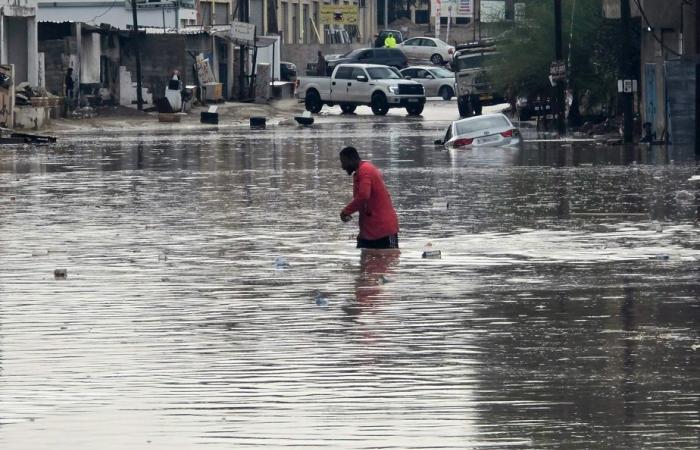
x,y
25,95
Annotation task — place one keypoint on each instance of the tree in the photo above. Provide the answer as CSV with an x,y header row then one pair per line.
x,y
591,47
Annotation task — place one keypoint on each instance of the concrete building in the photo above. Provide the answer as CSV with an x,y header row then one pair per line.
x,y
300,21
668,55
214,12
18,39
151,13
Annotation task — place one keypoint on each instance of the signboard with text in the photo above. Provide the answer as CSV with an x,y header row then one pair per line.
x,y
558,70
452,8
242,33
339,14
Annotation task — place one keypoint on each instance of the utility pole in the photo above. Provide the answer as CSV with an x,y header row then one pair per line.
x,y
243,16
559,56
626,73
386,14
697,82
137,53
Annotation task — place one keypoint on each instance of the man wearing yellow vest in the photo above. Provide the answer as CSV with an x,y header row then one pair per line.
x,y
390,41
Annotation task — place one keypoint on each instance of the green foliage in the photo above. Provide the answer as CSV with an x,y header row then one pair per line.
x,y
591,46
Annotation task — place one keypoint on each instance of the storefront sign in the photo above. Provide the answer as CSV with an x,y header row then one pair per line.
x,y
452,8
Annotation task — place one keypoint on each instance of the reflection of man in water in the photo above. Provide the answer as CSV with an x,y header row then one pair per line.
x,y
375,267
379,225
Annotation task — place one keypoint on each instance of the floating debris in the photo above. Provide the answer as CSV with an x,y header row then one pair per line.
x,y
660,257
320,298
60,273
428,252
281,262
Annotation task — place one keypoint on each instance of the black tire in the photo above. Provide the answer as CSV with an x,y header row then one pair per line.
x,y
465,109
313,102
476,104
446,93
379,104
347,108
436,59
415,110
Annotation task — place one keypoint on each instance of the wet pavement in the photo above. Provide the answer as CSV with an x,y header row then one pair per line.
x,y
213,298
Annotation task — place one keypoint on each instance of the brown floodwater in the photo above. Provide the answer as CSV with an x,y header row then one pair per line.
x,y
564,312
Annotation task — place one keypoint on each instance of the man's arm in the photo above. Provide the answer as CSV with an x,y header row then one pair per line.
x,y
363,192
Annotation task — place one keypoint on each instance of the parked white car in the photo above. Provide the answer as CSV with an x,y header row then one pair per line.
x,y
427,49
437,81
493,130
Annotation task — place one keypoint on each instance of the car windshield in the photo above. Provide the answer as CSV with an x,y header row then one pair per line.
x,y
382,73
478,61
439,72
482,123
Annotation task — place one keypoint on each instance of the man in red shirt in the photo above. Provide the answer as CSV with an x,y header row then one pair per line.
x,y
379,225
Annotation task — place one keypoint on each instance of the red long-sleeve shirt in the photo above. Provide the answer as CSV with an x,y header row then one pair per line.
x,y
378,218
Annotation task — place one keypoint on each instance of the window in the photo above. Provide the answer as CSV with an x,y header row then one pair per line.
x,y
356,72
382,73
422,73
344,73
476,61
440,72
364,55
409,73
428,43
415,41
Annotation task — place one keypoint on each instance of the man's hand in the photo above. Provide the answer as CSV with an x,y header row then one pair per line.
x,y
345,217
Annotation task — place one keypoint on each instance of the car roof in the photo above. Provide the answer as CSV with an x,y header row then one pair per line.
x,y
363,66
475,118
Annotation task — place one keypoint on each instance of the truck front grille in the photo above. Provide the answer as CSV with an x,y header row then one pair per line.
x,y
410,89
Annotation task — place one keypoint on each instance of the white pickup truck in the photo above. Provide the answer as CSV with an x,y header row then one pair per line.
x,y
350,85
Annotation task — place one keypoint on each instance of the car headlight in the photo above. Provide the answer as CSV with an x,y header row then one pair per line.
x,y
394,89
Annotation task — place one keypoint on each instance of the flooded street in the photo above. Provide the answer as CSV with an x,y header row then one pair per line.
x,y
564,312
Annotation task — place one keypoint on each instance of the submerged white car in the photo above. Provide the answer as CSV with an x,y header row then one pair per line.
x,y
493,130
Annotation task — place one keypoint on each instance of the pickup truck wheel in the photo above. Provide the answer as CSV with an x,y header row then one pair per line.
x,y
347,108
436,59
415,110
312,102
379,105
465,109
446,93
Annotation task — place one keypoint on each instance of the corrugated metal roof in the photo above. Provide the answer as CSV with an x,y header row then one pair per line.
x,y
192,29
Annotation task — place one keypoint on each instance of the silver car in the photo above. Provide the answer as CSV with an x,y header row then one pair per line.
x,y
437,81
428,49
493,130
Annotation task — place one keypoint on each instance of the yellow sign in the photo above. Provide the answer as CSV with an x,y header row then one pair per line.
x,y
339,14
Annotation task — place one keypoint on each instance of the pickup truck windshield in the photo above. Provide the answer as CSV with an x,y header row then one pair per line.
x,y
382,73
477,61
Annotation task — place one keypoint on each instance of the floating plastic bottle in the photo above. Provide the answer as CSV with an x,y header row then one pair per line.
x,y
320,299
281,262
429,252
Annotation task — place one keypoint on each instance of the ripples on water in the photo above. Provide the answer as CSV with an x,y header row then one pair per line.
x,y
563,314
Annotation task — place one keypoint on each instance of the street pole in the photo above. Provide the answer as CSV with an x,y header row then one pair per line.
x,y
137,53
559,56
243,17
627,73
697,83
386,14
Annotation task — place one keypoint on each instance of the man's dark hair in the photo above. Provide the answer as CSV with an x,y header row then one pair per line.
x,y
350,153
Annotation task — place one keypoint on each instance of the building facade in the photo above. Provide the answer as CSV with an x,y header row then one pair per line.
x,y
18,39
302,21
118,13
